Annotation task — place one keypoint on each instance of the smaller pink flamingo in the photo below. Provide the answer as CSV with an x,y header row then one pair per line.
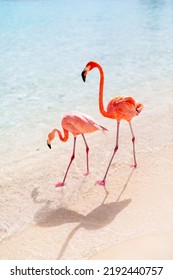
x,y
76,123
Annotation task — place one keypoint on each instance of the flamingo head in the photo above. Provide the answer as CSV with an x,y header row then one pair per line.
x,y
50,138
49,143
139,107
90,65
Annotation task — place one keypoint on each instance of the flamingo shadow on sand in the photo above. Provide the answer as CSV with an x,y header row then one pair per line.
x,y
35,196
99,217
125,185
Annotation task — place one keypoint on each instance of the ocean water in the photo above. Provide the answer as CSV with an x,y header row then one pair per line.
x,y
44,46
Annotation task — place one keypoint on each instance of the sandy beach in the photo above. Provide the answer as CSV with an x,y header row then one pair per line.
x,y
149,247
132,221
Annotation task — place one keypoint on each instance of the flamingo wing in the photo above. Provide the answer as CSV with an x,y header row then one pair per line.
x,y
122,107
80,123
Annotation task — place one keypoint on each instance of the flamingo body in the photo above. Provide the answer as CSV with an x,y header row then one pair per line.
x,y
80,123
123,108
76,123
119,108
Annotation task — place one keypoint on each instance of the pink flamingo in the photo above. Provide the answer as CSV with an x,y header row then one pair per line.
x,y
76,123
119,108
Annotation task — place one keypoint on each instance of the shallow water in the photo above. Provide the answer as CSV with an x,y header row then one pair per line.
x,y
44,46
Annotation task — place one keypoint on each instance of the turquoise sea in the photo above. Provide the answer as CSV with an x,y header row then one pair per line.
x,y
44,46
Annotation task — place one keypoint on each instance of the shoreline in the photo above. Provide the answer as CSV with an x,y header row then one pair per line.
x,y
82,221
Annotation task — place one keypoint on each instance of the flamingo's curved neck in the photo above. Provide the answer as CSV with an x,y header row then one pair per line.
x,y
101,106
61,137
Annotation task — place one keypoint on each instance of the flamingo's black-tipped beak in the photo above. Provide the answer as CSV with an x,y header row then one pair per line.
x,y
83,74
49,145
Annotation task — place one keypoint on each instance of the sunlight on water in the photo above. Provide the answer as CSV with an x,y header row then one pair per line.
x,y
46,44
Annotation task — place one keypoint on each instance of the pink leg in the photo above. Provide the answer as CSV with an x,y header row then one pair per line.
x,y
87,151
60,184
133,141
103,182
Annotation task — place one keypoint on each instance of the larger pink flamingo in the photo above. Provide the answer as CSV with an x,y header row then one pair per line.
x,y
119,108
76,123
